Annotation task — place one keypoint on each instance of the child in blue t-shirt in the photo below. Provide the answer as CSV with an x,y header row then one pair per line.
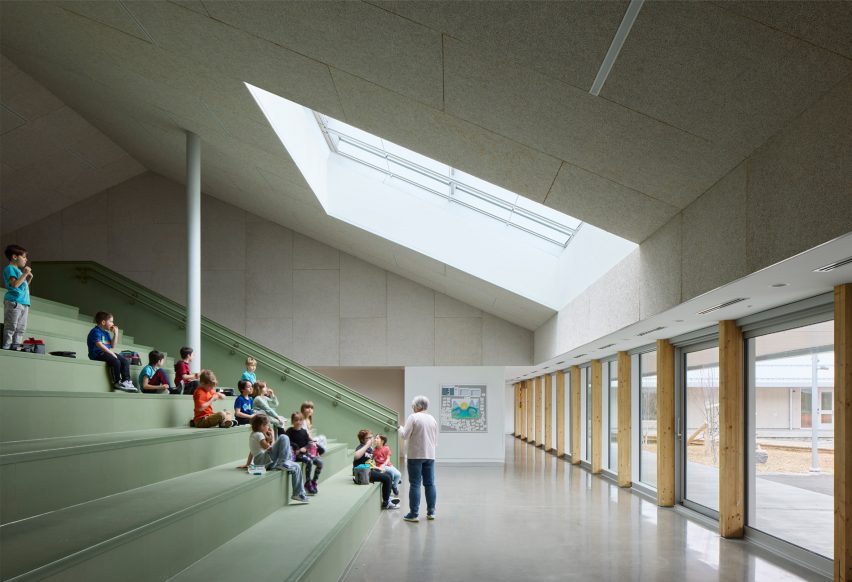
x,y
243,404
16,303
249,374
153,379
101,341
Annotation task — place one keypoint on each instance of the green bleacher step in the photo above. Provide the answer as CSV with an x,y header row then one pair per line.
x,y
26,415
144,534
48,306
321,539
49,474
33,372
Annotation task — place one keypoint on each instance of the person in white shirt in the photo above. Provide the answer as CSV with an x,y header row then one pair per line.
x,y
421,431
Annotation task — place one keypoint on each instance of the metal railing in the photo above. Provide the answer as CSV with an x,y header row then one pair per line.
x,y
237,344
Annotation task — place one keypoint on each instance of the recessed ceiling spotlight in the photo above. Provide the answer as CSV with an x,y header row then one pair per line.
x,y
776,285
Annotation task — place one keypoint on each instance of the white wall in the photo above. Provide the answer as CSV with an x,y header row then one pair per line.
x,y
464,447
312,302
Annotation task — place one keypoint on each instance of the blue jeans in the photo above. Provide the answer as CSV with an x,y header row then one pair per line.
x,y
421,471
278,457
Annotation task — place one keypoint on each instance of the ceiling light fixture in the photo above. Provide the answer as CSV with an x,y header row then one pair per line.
x,y
579,355
722,305
650,331
606,346
615,48
777,285
832,266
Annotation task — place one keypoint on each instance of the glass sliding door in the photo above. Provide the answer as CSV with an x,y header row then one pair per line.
x,y
612,391
648,418
701,434
791,437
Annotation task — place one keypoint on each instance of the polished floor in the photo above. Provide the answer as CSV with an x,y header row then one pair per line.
x,y
539,518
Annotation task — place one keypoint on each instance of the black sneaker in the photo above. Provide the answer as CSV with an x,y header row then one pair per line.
x,y
395,491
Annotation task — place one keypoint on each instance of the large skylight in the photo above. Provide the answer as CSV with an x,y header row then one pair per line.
x,y
406,169
441,212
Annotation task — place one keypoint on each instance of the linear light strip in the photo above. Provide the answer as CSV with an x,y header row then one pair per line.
x,y
450,182
615,47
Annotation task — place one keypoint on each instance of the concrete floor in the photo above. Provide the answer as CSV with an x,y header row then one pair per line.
x,y
539,518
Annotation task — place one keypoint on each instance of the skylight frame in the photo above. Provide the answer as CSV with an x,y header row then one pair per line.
x,y
334,136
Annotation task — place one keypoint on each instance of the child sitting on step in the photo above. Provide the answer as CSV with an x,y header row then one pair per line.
x,y
382,459
203,399
263,401
153,379
274,453
243,410
185,381
101,341
305,451
307,411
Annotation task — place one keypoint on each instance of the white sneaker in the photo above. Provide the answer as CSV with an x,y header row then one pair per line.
x,y
122,386
391,506
131,387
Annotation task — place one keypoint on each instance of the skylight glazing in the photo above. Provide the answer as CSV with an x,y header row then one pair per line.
x,y
417,173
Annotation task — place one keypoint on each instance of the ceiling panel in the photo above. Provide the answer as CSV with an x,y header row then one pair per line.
x,y
354,36
731,80
564,40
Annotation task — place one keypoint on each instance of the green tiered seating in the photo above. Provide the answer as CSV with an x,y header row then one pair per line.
x,y
103,485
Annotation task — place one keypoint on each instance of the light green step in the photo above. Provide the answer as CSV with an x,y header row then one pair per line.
x,y
22,371
321,539
46,414
49,474
144,534
58,326
48,306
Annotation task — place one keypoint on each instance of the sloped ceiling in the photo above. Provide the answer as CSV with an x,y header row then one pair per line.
x,y
497,89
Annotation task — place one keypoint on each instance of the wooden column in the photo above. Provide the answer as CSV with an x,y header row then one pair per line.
x,y
575,415
530,412
517,391
665,424
597,414
842,432
731,431
539,428
548,412
560,413
625,419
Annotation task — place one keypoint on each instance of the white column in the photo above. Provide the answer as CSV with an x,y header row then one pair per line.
x,y
193,247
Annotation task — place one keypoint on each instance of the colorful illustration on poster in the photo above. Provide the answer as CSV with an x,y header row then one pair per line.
x,y
463,408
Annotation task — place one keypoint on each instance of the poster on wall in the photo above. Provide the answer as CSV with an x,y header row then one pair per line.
x,y
463,408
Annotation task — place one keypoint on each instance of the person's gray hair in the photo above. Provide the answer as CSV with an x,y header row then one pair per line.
x,y
420,403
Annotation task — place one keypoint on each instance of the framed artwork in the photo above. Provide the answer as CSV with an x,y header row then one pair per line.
x,y
463,408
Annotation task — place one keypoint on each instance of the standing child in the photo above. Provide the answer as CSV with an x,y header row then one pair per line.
x,y
249,374
243,411
382,458
264,400
185,381
304,450
203,398
272,453
152,378
101,341
16,303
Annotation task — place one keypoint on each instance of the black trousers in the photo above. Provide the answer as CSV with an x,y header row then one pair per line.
x,y
119,367
386,480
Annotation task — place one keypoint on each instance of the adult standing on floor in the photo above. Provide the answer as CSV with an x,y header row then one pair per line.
x,y
421,432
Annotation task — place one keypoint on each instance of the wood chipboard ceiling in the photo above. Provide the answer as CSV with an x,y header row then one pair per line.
x,y
498,89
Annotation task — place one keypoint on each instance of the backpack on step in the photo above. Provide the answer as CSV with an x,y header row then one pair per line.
x,y
361,475
133,357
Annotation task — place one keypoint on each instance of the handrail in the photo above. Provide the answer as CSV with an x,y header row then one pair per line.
x,y
336,392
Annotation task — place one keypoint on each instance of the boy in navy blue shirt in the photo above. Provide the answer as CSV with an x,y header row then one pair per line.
x,y
16,303
243,412
101,340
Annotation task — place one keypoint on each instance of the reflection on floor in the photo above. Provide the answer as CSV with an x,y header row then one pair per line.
x,y
539,518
